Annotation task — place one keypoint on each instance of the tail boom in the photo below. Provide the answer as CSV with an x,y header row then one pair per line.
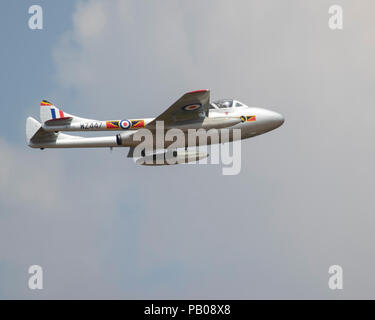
x,y
38,137
68,141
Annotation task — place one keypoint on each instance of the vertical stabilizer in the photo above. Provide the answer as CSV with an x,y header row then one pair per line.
x,y
48,111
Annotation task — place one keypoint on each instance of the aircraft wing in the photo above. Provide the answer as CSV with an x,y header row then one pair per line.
x,y
190,107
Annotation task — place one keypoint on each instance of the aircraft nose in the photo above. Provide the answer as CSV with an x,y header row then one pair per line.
x,y
277,119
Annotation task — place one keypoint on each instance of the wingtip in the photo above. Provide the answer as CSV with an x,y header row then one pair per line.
x,y
197,91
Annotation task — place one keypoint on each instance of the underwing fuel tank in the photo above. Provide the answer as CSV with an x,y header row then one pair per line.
x,y
171,157
209,123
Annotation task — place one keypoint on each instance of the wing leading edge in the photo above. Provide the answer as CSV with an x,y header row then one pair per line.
x,y
192,106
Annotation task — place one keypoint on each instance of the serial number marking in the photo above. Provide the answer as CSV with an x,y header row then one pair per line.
x,y
91,125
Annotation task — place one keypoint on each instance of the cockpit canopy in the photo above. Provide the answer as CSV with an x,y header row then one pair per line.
x,y
226,104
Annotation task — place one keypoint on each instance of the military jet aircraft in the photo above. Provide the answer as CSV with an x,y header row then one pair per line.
x,y
192,111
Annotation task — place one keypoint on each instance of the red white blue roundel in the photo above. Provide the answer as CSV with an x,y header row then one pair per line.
x,y
125,124
192,107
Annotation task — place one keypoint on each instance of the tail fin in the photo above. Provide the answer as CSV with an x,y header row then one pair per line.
x,y
36,134
32,127
48,111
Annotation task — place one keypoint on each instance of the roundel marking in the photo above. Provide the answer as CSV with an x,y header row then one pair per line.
x,y
243,119
125,124
192,107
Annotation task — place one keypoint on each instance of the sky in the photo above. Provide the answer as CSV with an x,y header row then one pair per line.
x,y
102,227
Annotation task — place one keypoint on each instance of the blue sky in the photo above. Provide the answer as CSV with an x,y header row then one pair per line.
x,y
26,62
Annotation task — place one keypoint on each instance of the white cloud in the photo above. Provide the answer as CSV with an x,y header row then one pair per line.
x,y
90,20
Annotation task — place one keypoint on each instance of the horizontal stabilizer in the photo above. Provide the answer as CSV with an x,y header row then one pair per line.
x,y
59,121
